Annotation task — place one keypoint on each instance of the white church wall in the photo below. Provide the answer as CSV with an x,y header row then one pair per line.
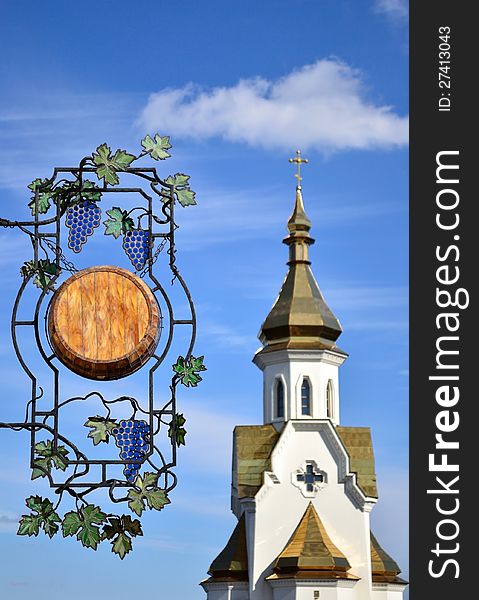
x,y
385,591
300,589
291,366
280,506
226,590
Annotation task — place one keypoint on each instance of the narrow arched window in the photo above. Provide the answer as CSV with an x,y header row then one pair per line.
x,y
329,400
279,399
305,397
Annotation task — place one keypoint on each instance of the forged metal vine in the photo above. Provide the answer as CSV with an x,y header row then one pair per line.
x,y
75,201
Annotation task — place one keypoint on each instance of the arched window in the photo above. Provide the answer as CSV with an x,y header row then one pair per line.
x,y
330,400
279,399
305,397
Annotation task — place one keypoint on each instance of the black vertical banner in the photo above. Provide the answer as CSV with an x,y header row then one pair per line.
x,y
444,259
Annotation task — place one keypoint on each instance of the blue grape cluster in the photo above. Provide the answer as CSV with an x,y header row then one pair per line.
x,y
132,438
135,243
81,218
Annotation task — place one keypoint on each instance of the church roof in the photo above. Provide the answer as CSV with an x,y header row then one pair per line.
x,y
300,317
311,550
252,448
232,561
254,444
359,445
384,568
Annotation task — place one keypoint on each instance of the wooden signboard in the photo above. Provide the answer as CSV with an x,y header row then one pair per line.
x,y
104,323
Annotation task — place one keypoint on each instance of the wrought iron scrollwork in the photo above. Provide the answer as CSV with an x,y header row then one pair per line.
x,y
141,474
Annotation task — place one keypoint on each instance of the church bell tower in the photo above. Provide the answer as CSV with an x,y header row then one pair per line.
x,y
303,485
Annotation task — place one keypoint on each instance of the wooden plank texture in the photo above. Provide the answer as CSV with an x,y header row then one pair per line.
x,y
104,323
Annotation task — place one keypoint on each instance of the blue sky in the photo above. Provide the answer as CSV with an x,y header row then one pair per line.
x,y
238,86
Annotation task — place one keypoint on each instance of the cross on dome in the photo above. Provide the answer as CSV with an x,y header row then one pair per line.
x,y
298,160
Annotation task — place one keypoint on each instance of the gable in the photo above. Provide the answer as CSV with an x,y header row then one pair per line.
x,y
253,446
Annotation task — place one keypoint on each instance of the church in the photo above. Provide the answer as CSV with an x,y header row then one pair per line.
x,y
303,485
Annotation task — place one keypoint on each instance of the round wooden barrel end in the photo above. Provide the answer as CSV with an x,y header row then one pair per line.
x,y
104,323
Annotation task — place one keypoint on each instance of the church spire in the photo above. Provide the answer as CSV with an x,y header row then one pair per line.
x,y
299,226
300,317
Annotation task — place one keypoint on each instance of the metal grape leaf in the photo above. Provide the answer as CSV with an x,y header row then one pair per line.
x,y
71,192
157,147
188,370
185,195
46,518
146,491
45,271
88,191
117,530
44,195
107,165
84,523
177,430
118,223
46,458
100,429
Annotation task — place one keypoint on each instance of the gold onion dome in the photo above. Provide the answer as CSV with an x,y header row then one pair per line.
x,y
300,317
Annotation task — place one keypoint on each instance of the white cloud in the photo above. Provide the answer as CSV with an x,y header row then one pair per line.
x,y
226,338
8,521
397,9
356,297
322,106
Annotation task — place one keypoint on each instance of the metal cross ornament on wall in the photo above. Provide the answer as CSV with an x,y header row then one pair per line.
x,y
113,324
309,479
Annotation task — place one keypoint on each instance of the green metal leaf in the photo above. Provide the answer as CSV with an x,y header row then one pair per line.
x,y
101,429
117,530
29,525
156,499
88,191
121,545
42,187
71,192
46,518
177,430
37,503
46,457
132,526
188,370
50,524
145,491
178,179
45,271
118,223
108,165
83,524
157,147
71,523
186,197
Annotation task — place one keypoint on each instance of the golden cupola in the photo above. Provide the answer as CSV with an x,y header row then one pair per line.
x,y
300,317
